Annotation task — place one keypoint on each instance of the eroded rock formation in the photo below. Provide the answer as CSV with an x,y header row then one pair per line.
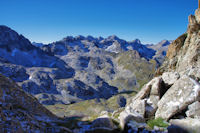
x,y
175,92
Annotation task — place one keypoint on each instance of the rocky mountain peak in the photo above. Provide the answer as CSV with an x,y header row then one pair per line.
x,y
8,33
183,53
113,37
197,15
11,39
136,41
194,22
164,43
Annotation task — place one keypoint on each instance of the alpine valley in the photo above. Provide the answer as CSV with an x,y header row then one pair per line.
x,y
88,84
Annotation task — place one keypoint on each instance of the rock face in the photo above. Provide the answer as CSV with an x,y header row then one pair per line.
x,y
188,124
175,93
103,122
183,53
144,103
170,78
194,110
182,93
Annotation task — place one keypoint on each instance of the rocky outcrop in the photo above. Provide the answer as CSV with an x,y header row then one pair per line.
x,y
103,122
144,104
183,53
189,125
182,93
20,112
194,110
175,93
11,40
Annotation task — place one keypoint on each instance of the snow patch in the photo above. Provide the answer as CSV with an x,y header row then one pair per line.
x,y
30,77
179,92
181,99
112,48
196,88
171,103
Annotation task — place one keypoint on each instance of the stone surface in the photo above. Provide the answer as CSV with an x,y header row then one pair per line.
x,y
182,93
127,116
179,87
144,104
197,15
190,125
135,111
194,110
21,112
152,87
121,100
170,78
103,122
133,126
183,53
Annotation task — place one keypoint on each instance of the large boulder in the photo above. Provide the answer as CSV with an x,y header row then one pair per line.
x,y
184,92
189,124
103,122
127,116
152,87
170,78
144,103
194,110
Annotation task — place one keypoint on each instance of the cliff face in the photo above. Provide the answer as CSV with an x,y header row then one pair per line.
x,y
183,53
175,92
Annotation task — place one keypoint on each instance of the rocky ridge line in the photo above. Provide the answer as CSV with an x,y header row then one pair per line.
x,y
174,94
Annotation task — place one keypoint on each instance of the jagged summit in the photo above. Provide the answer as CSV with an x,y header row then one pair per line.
x,y
183,53
74,68
136,41
11,39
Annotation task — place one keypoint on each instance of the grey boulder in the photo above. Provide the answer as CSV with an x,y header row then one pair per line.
x,y
184,92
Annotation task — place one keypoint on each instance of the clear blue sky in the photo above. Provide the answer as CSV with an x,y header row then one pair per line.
x,y
51,20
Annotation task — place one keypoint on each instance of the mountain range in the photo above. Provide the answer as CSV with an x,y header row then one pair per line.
x,y
86,84
77,68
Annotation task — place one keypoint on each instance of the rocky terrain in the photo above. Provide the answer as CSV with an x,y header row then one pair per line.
x,y
86,74
161,51
100,72
78,68
172,97
21,112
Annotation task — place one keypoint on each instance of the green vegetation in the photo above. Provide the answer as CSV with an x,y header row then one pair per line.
x,y
141,68
159,122
70,123
88,108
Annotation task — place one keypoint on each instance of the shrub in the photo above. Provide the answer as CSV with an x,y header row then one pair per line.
x,y
159,122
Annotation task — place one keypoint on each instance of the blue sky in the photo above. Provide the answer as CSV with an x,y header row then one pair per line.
x,y
51,20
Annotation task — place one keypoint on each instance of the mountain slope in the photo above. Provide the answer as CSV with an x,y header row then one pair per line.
x,y
161,50
76,69
21,112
